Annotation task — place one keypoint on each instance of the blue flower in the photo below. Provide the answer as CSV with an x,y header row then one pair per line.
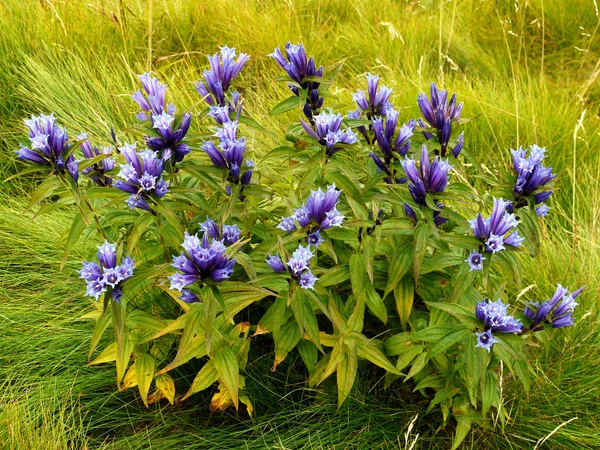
x,y
230,234
107,274
141,177
97,171
495,317
224,67
328,131
375,101
557,311
201,261
499,229
485,340
531,176
230,153
298,266
440,116
49,144
429,178
475,260
299,68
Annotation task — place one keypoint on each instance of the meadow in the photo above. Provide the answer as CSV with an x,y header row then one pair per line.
x,y
527,72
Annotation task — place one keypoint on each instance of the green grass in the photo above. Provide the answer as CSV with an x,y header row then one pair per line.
x,y
527,72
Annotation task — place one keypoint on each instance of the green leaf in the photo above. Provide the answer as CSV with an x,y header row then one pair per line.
x,y
418,364
408,356
335,275
205,378
285,341
366,349
286,105
144,370
463,426
227,366
141,224
118,320
375,303
101,326
44,190
422,231
107,355
309,354
404,293
305,317
400,262
346,370
77,227
448,341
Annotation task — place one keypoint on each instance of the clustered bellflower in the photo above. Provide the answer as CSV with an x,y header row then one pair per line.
x,y
319,212
203,260
106,276
496,319
230,153
429,178
170,132
299,67
224,67
141,177
532,177
440,116
328,131
298,266
97,171
229,235
499,229
49,144
556,311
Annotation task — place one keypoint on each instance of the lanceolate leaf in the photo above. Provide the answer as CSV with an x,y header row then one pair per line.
x,y
346,370
227,367
144,367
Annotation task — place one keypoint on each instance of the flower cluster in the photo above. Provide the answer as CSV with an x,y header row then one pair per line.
x,y
532,176
49,144
202,260
328,131
319,212
224,67
297,266
170,132
391,147
141,177
230,154
229,235
440,116
97,171
556,311
495,318
499,229
107,276
374,102
302,71
429,178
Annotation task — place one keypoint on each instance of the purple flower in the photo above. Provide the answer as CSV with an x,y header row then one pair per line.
x,y
531,174
375,101
319,212
304,75
485,340
314,238
188,296
440,116
170,132
49,145
328,131
107,274
230,153
557,311
542,210
201,261
429,178
494,316
275,262
97,171
230,234
141,176
499,229
224,67
298,266
475,260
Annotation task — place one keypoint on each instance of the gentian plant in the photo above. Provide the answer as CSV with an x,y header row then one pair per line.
x,y
360,242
